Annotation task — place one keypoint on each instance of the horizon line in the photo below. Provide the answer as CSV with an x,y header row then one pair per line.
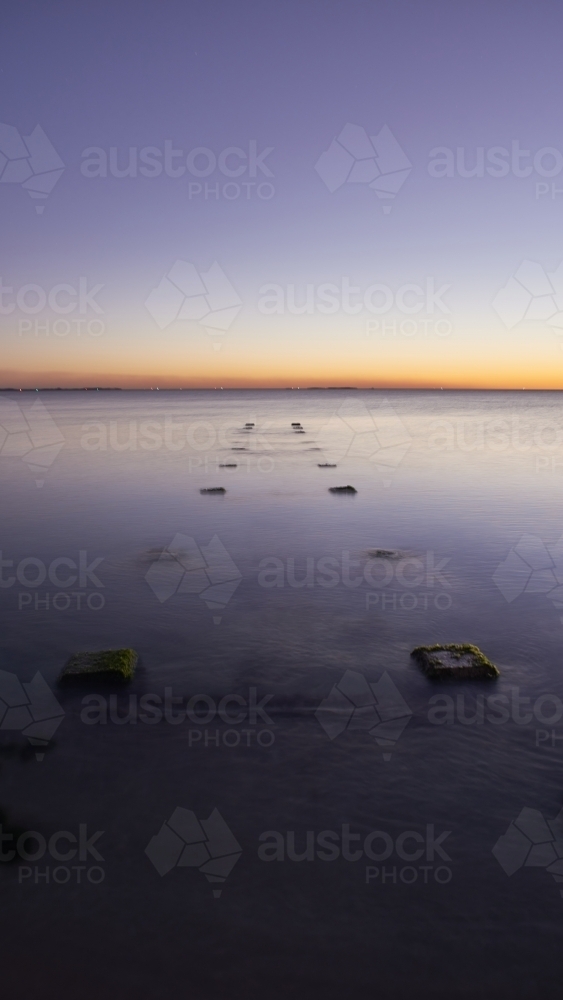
x,y
268,388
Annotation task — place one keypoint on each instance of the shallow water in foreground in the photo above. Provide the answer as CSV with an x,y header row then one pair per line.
x,y
268,595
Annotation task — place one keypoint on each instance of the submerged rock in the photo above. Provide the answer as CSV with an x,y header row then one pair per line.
x,y
110,663
228,465
342,489
213,489
249,425
326,465
462,661
383,554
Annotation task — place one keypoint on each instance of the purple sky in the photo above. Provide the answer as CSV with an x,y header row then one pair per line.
x,y
289,76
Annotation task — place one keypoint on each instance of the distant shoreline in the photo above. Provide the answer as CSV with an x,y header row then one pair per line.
x,y
311,388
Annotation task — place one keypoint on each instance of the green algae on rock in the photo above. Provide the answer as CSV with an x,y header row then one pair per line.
x,y
462,661
109,663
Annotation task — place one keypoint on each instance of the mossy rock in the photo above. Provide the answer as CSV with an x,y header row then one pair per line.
x,y
118,664
342,489
459,660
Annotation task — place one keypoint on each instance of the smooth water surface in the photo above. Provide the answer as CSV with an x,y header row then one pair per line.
x,y
274,590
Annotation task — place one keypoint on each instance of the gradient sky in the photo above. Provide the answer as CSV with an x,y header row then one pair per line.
x,y
289,76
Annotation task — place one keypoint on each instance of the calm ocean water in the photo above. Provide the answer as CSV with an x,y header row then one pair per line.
x,y
267,596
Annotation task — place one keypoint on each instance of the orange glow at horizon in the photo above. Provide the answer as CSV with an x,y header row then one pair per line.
x,y
465,362
518,377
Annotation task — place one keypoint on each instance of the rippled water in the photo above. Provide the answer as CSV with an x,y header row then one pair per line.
x,y
279,587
